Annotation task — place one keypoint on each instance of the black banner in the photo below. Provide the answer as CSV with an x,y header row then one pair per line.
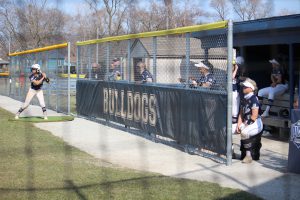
x,y
294,143
189,116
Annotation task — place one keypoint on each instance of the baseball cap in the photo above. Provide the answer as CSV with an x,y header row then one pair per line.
x,y
201,64
248,84
273,61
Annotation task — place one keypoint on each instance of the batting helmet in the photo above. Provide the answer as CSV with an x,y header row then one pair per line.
x,y
36,66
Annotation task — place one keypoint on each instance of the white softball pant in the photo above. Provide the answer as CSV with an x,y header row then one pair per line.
x,y
31,93
270,92
252,129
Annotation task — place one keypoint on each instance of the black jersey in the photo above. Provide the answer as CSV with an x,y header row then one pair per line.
x,y
236,84
247,105
32,78
146,75
209,78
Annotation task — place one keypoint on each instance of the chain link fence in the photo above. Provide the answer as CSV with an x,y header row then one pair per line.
x,y
192,60
54,62
172,60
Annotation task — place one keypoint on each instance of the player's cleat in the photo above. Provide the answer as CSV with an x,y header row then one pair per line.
x,y
17,117
247,159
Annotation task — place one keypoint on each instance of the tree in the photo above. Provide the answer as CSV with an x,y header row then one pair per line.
x,y
152,19
31,24
185,14
221,7
169,13
252,9
115,13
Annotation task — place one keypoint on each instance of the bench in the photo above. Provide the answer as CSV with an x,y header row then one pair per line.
x,y
279,115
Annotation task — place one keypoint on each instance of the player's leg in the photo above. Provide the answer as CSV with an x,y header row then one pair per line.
x,y
269,92
279,89
235,109
264,92
40,96
28,99
246,134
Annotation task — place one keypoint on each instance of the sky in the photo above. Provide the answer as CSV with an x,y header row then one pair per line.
x,y
72,7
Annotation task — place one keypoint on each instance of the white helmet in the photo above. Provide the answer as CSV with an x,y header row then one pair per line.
x,y
36,66
239,60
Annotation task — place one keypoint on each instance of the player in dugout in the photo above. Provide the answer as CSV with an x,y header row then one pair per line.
x,y
250,123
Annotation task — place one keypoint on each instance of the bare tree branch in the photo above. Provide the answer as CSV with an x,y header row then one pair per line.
x,y
221,8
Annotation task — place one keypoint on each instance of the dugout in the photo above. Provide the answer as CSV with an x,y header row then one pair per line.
x,y
261,40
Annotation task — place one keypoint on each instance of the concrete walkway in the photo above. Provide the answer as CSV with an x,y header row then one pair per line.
x,y
266,178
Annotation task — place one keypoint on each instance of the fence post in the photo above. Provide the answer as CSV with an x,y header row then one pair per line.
x,y
291,75
69,85
47,71
129,60
77,62
187,56
107,58
89,62
154,43
97,47
57,81
229,92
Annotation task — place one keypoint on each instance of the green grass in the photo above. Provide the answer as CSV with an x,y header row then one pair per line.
x,y
37,119
36,165
73,104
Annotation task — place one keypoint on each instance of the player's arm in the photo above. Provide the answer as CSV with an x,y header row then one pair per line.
x,y
278,79
206,84
209,82
236,67
38,82
254,115
240,121
273,80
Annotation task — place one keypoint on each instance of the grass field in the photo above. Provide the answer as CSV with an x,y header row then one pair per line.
x,y
38,119
36,165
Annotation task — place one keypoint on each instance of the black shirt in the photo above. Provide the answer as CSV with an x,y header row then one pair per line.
x,y
247,105
32,78
236,84
209,78
146,75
